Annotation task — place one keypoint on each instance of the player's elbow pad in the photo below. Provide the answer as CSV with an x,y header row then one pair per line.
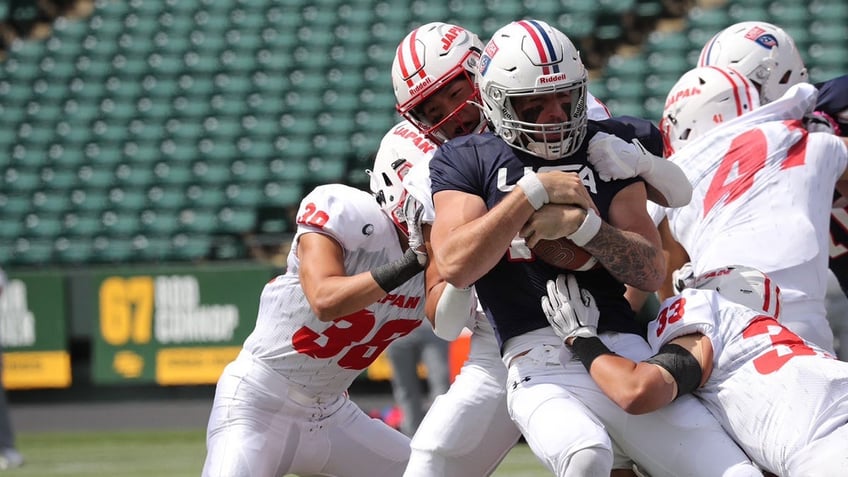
x,y
670,181
453,311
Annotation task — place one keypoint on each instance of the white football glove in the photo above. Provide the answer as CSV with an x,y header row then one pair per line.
x,y
412,212
683,277
570,310
616,159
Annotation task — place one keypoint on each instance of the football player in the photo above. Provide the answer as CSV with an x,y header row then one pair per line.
x,y
496,195
721,340
767,55
763,188
352,286
467,431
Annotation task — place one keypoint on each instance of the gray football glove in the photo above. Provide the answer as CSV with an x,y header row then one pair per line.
x,y
412,212
570,310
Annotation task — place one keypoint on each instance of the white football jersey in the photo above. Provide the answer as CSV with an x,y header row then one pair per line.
x,y
773,391
323,358
761,197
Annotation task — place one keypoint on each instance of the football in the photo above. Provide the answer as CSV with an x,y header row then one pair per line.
x,y
563,253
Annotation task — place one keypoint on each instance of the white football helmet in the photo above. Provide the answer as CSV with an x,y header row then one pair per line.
x,y
430,57
529,58
701,99
744,285
397,154
763,52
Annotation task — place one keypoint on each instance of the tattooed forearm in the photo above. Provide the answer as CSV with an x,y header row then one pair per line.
x,y
629,257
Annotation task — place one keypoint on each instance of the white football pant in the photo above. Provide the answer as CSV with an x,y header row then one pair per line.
x,y
260,427
550,402
467,431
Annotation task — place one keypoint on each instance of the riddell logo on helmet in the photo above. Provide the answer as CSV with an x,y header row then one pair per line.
x,y
682,94
552,78
451,36
418,87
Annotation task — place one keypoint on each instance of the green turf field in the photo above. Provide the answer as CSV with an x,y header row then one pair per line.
x,y
158,453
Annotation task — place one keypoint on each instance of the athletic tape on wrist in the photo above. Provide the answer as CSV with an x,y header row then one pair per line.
x,y
587,230
588,349
534,190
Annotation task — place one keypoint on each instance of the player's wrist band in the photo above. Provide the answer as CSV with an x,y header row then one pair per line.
x,y
533,190
587,230
395,274
588,349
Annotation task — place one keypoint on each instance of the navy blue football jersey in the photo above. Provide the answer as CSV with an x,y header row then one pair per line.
x,y
486,166
833,99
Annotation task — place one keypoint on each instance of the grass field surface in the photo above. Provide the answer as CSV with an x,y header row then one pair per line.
x,y
160,454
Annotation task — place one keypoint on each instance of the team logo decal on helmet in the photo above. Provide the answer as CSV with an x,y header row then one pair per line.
x,y
760,37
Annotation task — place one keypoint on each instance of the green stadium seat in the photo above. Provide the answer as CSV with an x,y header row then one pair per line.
x,y
161,222
42,225
287,169
741,12
211,172
50,201
172,173
32,252
95,177
829,10
211,196
170,197
20,180
827,56
113,249
73,250
197,220
190,247
152,248
127,199
236,220
121,223
81,224
88,200
138,175
709,19
245,194
282,194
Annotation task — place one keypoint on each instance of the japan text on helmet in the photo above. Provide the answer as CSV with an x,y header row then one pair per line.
x,y
529,58
399,151
744,285
429,58
763,52
700,100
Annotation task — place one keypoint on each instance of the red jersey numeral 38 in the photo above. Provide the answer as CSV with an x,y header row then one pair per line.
x,y
347,330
